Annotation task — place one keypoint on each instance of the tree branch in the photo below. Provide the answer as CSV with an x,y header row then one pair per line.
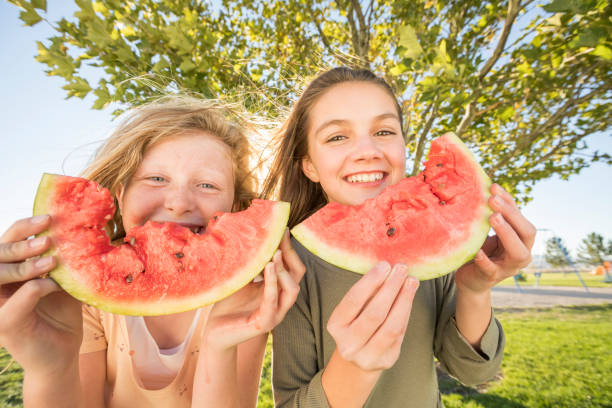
x,y
432,110
514,7
552,120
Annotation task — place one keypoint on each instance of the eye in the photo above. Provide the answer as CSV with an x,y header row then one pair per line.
x,y
157,179
207,186
336,138
385,133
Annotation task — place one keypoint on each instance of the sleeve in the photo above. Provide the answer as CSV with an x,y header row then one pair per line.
x,y
94,337
455,353
296,374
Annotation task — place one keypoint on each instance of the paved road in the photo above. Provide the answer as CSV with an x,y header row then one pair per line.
x,y
547,296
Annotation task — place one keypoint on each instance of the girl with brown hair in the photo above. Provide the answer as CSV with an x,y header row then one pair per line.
x,y
353,341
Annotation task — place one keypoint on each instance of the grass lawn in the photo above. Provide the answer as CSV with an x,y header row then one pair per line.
x,y
559,357
560,279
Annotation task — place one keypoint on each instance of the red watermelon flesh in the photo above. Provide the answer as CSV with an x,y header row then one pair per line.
x,y
163,267
433,223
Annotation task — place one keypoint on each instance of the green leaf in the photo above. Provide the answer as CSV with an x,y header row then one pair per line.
x,y
559,6
408,39
187,65
79,88
30,17
398,69
103,97
603,52
40,4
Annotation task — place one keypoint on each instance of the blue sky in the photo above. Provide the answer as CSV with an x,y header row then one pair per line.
x,y
44,132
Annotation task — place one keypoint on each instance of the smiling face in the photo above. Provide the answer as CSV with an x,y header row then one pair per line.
x,y
355,143
183,179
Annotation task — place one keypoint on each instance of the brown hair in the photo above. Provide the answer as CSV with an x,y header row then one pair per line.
x,y
119,157
286,178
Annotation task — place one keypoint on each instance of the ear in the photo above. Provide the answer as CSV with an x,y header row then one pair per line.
x,y
310,170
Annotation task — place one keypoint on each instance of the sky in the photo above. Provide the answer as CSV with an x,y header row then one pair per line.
x,y
44,132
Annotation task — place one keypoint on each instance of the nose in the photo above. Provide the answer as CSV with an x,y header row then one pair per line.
x,y
366,148
179,200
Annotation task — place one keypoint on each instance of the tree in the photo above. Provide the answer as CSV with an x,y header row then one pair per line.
x,y
523,84
593,250
555,252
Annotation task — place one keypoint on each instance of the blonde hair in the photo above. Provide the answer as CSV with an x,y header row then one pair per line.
x,y
119,157
286,180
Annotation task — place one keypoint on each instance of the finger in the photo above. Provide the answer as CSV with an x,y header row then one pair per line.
x,y
24,300
292,261
376,311
496,189
487,268
26,227
270,295
391,333
33,268
516,254
360,293
22,250
525,230
288,292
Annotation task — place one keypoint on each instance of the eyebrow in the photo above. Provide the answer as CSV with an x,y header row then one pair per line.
x,y
389,115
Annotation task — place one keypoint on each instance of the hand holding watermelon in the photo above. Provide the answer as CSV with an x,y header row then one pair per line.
x,y
503,254
37,316
259,306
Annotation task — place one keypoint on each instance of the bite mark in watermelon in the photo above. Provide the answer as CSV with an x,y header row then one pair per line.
x,y
162,268
434,222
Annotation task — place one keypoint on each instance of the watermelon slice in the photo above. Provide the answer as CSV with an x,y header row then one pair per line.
x,y
433,223
162,268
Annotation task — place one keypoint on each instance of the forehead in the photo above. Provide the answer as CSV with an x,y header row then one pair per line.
x,y
352,100
191,149
196,140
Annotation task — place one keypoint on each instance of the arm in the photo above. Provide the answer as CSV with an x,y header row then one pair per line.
x,y
367,326
234,340
500,257
92,368
41,325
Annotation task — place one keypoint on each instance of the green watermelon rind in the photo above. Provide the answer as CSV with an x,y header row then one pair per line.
x,y
425,270
63,275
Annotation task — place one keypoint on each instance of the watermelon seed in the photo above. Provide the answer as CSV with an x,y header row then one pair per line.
x,y
440,165
390,231
132,241
179,255
441,186
442,202
216,217
129,278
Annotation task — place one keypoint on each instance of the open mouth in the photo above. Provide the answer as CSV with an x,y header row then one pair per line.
x,y
197,229
371,177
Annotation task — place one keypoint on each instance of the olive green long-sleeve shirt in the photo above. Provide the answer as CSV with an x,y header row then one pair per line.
x,y
303,347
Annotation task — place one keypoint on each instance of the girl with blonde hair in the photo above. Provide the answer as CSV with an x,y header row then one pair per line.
x,y
180,160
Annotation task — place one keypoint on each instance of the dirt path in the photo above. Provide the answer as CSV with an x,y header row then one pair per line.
x,y
548,296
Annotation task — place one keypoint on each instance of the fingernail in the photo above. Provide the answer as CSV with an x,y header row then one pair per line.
x,y
37,242
384,268
43,262
401,268
498,219
412,283
498,200
39,219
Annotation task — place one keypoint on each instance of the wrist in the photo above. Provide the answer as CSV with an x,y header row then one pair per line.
x,y
341,375
53,386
